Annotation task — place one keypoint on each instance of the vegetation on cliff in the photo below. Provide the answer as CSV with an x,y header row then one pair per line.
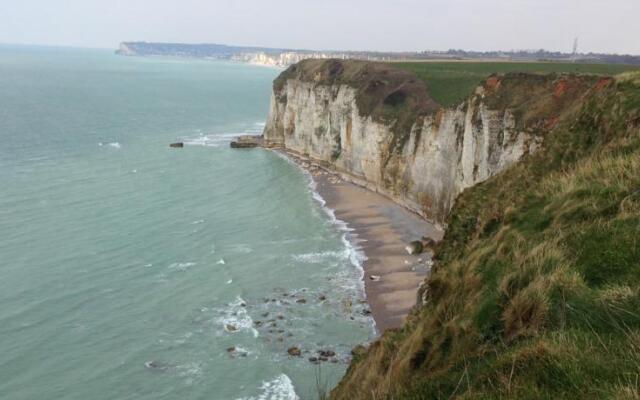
x,y
449,83
536,289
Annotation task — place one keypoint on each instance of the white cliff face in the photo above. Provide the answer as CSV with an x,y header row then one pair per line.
x,y
282,60
444,153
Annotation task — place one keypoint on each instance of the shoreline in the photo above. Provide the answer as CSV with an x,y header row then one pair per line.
x,y
383,229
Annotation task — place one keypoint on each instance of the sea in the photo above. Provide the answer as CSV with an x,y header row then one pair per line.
x,y
132,270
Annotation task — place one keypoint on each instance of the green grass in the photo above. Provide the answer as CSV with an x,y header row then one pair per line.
x,y
536,289
449,83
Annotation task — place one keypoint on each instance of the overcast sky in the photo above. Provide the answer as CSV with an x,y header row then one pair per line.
x,y
601,25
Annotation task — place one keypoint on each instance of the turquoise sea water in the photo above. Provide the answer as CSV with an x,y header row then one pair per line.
x,y
128,270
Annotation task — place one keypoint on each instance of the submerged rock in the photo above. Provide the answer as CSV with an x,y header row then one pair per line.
x,y
177,145
155,365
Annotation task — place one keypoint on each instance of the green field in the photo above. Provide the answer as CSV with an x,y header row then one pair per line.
x,y
449,83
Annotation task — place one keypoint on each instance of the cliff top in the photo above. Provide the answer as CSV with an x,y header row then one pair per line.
x,y
381,87
446,83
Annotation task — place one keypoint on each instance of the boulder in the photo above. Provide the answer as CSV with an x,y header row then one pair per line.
x,y
178,145
415,247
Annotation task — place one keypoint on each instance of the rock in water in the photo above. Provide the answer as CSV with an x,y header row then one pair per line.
x,y
415,247
294,351
177,145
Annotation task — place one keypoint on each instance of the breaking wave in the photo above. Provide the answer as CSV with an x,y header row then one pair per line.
x,y
280,388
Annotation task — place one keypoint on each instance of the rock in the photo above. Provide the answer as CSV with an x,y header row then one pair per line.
x,y
374,278
428,242
323,358
326,353
265,315
301,301
280,317
322,297
294,351
153,365
366,312
177,145
313,360
231,349
257,323
414,247
230,328
246,142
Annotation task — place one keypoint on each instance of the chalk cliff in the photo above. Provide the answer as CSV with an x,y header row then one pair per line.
x,y
378,125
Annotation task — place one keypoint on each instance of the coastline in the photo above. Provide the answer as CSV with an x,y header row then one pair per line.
x,y
383,229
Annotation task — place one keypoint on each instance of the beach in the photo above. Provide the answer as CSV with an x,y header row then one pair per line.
x,y
382,229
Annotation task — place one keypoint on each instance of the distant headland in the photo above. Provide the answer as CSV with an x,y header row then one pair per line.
x,y
285,57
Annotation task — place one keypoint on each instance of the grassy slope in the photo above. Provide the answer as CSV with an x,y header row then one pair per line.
x,y
536,290
449,83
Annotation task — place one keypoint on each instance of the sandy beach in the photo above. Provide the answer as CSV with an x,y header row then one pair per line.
x,y
383,229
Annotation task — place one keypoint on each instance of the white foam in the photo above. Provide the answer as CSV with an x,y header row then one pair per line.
x,y
352,250
115,145
237,318
318,258
280,388
181,266
197,222
221,262
230,281
218,139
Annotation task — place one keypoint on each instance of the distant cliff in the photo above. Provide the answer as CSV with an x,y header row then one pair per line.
x,y
378,125
254,55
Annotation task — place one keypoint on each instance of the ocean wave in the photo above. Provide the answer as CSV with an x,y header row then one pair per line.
x,y
319,258
350,279
115,145
353,251
181,266
280,388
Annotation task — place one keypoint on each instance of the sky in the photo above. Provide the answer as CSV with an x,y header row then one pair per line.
x,y
386,25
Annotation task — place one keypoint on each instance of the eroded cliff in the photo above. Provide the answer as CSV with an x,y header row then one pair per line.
x,y
378,125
